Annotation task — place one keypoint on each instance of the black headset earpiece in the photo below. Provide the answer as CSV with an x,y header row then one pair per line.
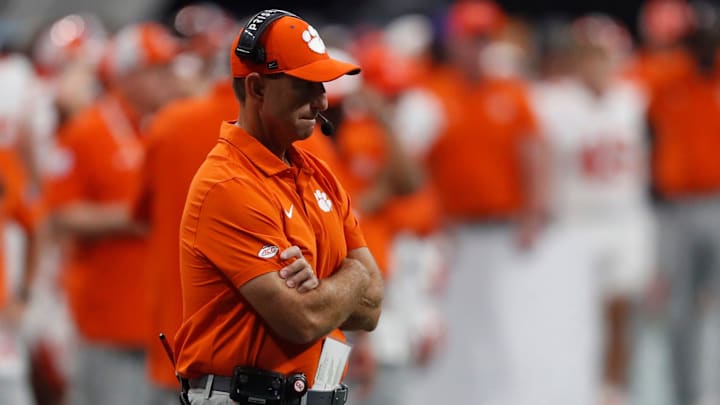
x,y
248,46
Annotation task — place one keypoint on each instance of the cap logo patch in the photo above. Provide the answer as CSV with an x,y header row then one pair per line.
x,y
272,65
268,251
313,40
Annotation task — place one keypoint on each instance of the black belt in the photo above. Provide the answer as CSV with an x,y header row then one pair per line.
x,y
224,384
220,383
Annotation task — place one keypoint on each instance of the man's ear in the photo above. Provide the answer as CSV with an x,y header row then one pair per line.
x,y
254,86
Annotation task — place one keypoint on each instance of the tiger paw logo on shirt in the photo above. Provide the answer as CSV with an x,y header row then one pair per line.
x,y
323,201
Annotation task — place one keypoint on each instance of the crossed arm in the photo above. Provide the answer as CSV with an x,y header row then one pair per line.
x,y
302,309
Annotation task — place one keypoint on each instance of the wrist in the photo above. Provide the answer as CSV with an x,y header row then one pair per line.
x,y
358,272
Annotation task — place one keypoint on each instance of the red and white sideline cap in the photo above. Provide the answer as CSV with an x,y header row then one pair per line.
x,y
474,17
75,36
136,47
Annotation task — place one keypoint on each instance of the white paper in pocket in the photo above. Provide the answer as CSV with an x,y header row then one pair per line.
x,y
333,358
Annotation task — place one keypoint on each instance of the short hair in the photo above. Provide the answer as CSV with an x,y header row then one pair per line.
x,y
238,85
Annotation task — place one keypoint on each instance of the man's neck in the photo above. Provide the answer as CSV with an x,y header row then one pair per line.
x,y
257,131
134,104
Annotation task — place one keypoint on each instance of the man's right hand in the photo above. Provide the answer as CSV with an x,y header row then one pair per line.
x,y
299,273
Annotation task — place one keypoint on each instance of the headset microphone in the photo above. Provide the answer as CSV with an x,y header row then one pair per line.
x,y
327,127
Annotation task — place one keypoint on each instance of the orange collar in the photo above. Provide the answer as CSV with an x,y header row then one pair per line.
x,y
258,154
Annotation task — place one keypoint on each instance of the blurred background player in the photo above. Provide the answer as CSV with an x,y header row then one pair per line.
x,y
477,139
684,120
18,221
66,54
89,196
19,216
177,140
203,28
594,125
15,277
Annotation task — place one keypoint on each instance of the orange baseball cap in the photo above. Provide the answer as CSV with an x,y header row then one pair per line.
x,y
294,47
474,17
666,21
385,69
138,46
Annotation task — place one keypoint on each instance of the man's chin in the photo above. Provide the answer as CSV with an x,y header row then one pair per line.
x,y
306,131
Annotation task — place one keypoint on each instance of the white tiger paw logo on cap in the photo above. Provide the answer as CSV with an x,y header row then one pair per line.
x,y
313,40
323,201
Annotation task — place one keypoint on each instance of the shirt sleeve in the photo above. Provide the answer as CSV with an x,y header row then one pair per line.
x,y
25,212
240,231
18,202
143,193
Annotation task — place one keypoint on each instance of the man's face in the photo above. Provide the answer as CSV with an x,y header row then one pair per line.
x,y
465,53
290,106
594,65
154,86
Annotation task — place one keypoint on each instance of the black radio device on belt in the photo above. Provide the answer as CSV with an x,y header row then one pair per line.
x,y
261,387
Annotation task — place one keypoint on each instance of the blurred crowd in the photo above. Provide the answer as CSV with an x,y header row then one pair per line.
x,y
542,196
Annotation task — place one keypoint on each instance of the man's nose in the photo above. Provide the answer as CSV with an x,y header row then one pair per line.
x,y
320,101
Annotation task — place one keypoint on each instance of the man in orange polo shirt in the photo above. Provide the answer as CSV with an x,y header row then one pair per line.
x,y
685,120
273,261
89,193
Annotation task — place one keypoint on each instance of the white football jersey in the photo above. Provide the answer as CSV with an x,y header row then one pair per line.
x,y
599,159
26,107
16,76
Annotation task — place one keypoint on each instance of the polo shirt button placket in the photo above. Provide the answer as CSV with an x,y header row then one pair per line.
x,y
301,183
